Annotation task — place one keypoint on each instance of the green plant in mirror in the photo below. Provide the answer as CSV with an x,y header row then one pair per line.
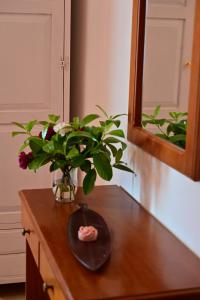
x,y
172,129
95,149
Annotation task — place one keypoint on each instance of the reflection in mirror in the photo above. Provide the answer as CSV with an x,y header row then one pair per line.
x,y
176,87
167,68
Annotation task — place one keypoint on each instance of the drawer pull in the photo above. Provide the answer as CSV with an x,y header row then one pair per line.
x,y
46,287
24,231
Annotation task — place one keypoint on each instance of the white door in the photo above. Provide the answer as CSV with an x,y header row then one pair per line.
x,y
168,51
34,37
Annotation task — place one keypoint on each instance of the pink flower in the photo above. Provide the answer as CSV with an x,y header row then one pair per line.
x,y
49,134
87,233
24,159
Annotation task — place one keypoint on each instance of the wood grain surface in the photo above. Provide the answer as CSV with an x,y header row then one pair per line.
x,y
147,261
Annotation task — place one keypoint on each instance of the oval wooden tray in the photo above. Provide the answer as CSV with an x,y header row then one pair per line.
x,y
94,254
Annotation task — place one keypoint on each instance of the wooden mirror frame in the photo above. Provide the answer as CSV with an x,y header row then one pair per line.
x,y
186,161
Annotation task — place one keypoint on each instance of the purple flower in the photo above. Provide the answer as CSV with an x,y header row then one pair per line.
x,y
49,134
24,159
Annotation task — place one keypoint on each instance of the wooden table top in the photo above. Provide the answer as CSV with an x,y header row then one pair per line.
x,y
147,261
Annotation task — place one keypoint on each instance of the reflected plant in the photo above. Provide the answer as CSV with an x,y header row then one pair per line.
x,y
172,129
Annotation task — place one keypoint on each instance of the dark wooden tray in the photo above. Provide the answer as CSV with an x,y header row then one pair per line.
x,y
94,254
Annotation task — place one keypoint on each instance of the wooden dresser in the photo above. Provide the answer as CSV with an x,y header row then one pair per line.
x,y
147,261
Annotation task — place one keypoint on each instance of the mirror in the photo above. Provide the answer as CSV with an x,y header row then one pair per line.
x,y
184,67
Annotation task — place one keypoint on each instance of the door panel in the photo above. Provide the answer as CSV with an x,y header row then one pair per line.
x,y
31,87
31,78
168,51
163,66
25,51
31,82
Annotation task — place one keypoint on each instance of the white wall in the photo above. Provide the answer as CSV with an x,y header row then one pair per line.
x,y
101,36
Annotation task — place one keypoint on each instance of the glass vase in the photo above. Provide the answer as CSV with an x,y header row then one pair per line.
x,y
64,185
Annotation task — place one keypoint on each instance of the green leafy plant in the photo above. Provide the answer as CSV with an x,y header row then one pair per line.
x,y
172,129
78,144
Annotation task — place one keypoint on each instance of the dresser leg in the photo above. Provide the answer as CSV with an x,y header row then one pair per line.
x,y
33,279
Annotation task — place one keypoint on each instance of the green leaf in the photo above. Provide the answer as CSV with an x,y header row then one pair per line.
x,y
72,152
123,168
113,140
44,123
96,132
162,136
75,123
59,164
118,132
108,125
53,167
53,118
89,181
102,123
29,126
24,145
35,144
77,161
169,128
105,150
57,138
82,134
156,122
87,119
113,149
183,114
176,115
58,148
102,110
178,137
37,162
102,165
173,114
117,116
160,122
156,111
14,133
19,125
124,146
118,155
49,147
86,166
145,116
144,123
117,123
178,128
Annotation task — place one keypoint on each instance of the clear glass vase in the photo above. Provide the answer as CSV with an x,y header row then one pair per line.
x,y
64,185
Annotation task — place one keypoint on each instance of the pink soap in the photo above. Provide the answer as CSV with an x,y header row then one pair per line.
x,y
87,233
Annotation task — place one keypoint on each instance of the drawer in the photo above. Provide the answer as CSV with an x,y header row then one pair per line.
x,y
31,236
49,279
11,241
10,218
12,268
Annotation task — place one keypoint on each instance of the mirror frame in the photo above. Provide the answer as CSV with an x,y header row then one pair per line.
x,y
186,161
